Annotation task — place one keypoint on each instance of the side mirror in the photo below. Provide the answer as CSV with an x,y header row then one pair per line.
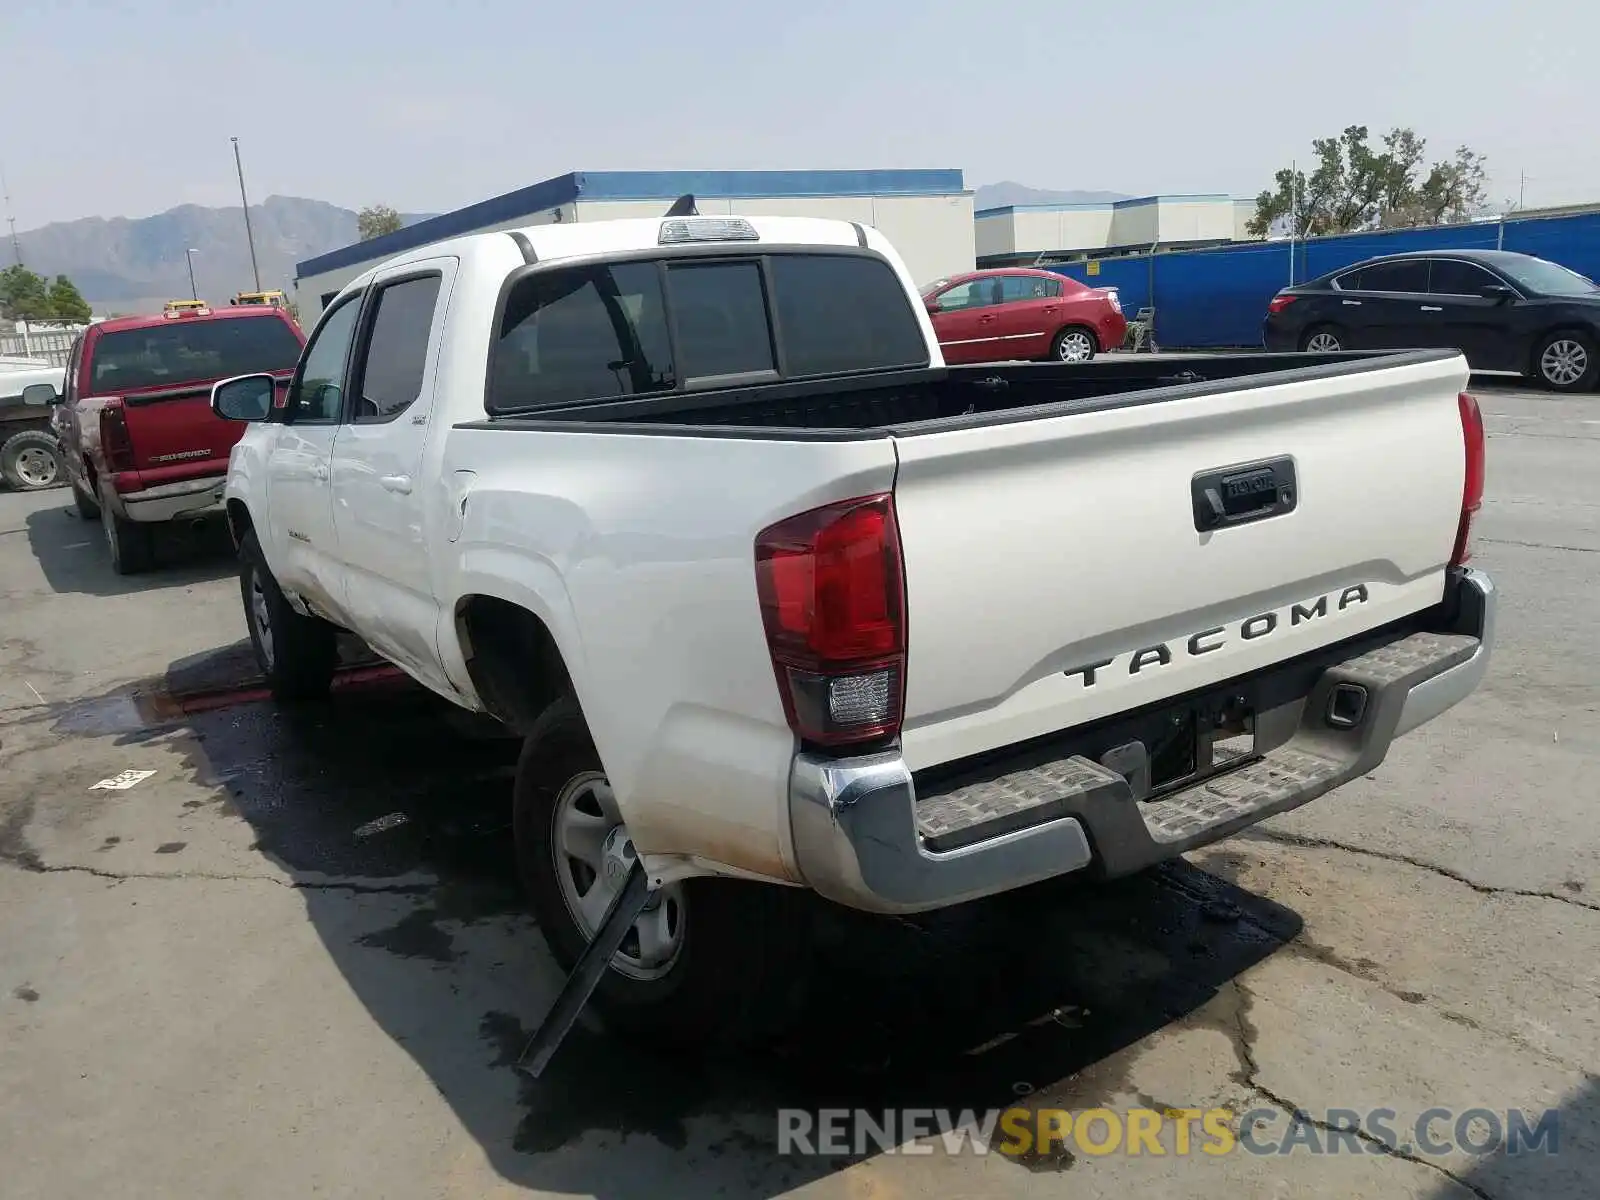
x,y
931,303
243,398
41,395
1496,291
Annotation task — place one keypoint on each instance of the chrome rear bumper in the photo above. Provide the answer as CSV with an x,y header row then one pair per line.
x,y
860,838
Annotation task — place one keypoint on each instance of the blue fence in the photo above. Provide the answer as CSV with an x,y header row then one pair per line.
x,y
1219,297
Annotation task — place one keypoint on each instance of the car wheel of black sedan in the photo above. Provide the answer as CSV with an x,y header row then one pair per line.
x,y
1566,361
1324,339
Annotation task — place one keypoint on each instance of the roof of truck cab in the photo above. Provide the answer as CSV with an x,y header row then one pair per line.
x,y
225,313
628,235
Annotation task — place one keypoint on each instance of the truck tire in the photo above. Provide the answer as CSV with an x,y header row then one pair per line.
x,y
1566,361
88,507
726,959
297,654
30,461
132,546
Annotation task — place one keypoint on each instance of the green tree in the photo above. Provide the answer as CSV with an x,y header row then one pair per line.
x,y
1353,186
376,220
67,303
23,295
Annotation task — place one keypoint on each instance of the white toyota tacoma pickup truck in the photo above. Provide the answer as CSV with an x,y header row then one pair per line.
x,y
774,595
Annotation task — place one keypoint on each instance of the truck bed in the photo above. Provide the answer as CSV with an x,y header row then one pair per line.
x,y
952,397
1079,541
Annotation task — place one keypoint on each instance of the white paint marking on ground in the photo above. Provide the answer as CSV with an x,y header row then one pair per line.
x,y
122,782
35,692
381,824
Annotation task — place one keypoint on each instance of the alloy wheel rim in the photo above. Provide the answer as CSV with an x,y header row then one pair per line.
x,y
1074,347
594,854
1564,361
1323,343
261,617
36,467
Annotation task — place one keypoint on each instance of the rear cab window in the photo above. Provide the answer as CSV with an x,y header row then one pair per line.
x,y
179,352
637,328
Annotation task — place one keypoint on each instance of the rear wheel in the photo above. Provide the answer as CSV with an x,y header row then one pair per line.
x,y
1324,339
1566,361
88,507
708,960
30,461
297,654
1073,344
132,546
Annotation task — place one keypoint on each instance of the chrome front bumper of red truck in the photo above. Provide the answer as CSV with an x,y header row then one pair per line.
x,y
868,836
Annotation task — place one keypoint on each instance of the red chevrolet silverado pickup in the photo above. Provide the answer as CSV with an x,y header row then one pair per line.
x,y
139,441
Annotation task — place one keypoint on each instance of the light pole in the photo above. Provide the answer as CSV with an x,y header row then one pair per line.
x,y
245,200
189,257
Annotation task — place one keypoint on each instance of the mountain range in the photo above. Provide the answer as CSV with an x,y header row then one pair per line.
x,y
127,265
123,264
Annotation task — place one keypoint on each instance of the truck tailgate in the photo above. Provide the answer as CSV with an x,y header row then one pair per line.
x,y
1057,571
174,432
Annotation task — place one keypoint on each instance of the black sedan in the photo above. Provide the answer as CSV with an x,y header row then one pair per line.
x,y
1504,311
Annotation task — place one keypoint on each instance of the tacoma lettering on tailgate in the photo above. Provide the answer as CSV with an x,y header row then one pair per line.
x,y
1207,640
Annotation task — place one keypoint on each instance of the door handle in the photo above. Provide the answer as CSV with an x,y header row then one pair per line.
x,y
397,483
1351,303
985,320
320,471
1431,308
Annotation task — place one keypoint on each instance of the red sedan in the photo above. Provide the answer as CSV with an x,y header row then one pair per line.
x,y
1015,312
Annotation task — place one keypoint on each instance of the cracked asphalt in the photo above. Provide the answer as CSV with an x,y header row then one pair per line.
x,y
293,960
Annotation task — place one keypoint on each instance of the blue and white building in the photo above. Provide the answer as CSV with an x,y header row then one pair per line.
x,y
927,214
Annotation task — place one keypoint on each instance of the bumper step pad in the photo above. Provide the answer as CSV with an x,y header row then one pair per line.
x,y
1266,783
1038,788
1016,800
1420,652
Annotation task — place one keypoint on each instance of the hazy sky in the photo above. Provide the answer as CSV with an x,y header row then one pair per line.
x,y
125,107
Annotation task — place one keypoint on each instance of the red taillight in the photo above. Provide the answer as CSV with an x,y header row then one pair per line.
x,y
1472,488
115,444
832,598
1278,303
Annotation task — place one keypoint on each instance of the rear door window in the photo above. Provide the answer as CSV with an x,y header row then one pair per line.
x,y
571,334
189,351
1408,275
389,379
1014,288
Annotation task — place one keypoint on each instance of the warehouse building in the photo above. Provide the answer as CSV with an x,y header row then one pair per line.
x,y
927,214
1026,233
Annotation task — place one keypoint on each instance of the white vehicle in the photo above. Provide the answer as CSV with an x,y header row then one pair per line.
x,y
694,504
30,456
